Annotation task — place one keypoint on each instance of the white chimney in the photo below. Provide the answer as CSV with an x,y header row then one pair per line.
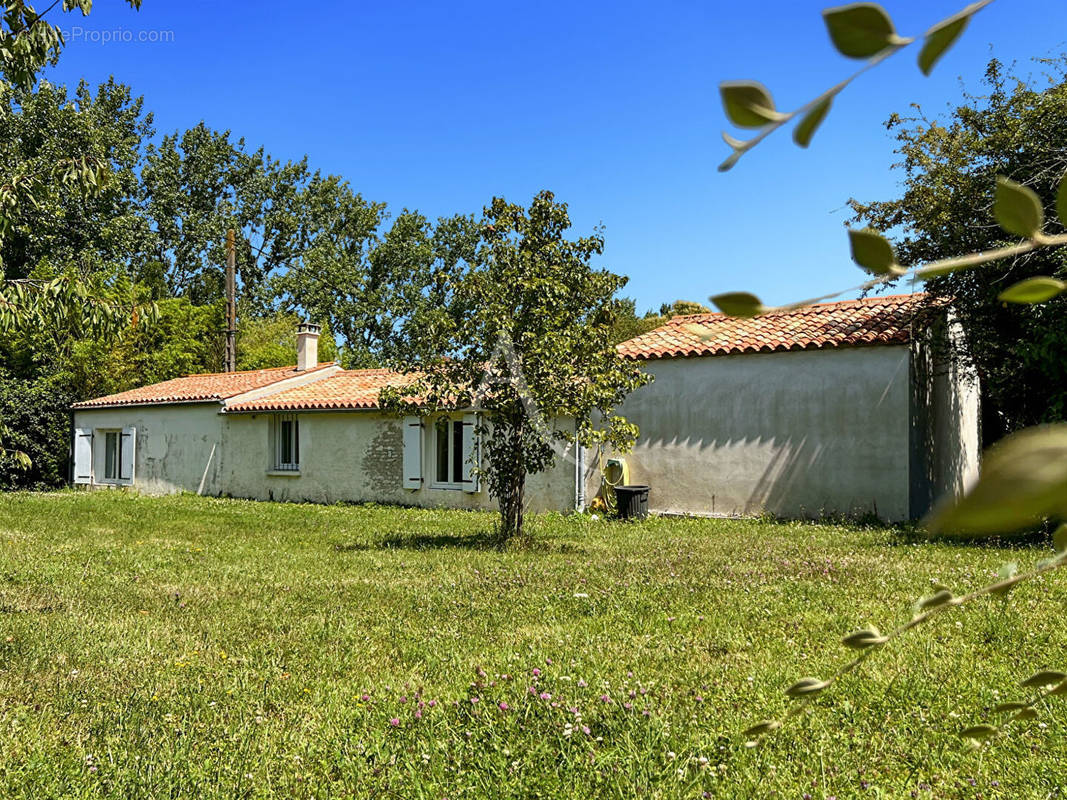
x,y
307,346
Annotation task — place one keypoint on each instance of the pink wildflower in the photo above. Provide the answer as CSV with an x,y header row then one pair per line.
x,y
502,706
394,722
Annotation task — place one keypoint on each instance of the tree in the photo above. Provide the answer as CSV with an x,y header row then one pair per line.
x,y
270,341
525,335
365,284
28,41
1017,129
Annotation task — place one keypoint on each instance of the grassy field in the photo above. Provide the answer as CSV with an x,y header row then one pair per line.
x,y
188,647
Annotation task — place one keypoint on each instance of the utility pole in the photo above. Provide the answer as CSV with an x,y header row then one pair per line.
x,y
231,303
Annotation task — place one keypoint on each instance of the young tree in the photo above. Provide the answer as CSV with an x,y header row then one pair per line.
x,y
524,334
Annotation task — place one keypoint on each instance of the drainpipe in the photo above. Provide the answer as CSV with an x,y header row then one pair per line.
x,y
579,476
70,451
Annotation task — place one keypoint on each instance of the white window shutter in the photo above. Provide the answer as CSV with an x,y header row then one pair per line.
x,y
412,453
471,453
83,455
128,454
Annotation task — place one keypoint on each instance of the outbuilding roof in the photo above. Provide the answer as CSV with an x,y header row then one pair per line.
x,y
213,386
353,389
852,323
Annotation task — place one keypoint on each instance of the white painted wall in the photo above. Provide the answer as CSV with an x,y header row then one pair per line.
x,y
178,446
344,456
793,434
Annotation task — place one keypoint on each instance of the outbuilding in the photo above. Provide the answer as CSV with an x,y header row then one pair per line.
x,y
849,408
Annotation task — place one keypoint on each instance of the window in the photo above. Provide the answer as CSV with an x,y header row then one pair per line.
x,y
453,446
286,443
112,455
448,449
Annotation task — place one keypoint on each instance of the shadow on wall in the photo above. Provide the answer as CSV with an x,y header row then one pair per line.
x,y
799,434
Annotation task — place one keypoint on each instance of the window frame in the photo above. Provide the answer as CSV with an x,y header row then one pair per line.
x,y
115,452
285,436
454,463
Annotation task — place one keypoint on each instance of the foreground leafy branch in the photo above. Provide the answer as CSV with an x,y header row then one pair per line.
x,y
857,30
1016,208
869,640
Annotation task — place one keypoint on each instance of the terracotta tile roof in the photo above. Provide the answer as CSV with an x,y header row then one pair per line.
x,y
353,389
852,323
215,386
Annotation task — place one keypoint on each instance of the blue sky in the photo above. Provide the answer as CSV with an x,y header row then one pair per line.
x,y
612,105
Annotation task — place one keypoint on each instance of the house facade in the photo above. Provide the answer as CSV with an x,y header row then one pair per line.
x,y
851,408
313,432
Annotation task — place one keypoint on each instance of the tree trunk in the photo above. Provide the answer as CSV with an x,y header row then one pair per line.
x,y
513,496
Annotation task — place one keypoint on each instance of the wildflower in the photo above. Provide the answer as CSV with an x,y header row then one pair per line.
x,y
699,699
605,699
502,706
418,714
395,722
432,703
474,700
581,595
545,696
628,706
403,698
585,730
365,697
535,672
582,684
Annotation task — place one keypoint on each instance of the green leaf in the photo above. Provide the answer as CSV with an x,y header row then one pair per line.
x,y
1045,677
942,36
806,128
1017,209
860,30
1008,708
935,600
1023,480
805,687
1032,290
1059,539
738,304
978,732
1061,201
872,251
748,104
761,728
862,639
1006,572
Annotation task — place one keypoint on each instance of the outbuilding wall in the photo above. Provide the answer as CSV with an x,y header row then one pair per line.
x,y
794,434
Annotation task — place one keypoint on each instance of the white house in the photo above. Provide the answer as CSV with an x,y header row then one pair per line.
x,y
856,407
839,408
310,432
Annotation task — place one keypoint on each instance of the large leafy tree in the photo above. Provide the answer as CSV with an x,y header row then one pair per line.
x,y
524,334
1016,128
365,283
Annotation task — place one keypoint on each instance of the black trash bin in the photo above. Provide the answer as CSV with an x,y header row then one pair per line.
x,y
632,501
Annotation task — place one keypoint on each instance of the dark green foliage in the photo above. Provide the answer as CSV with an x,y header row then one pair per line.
x,y
36,413
1016,128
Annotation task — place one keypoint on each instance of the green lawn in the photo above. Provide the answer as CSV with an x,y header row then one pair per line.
x,y
188,647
